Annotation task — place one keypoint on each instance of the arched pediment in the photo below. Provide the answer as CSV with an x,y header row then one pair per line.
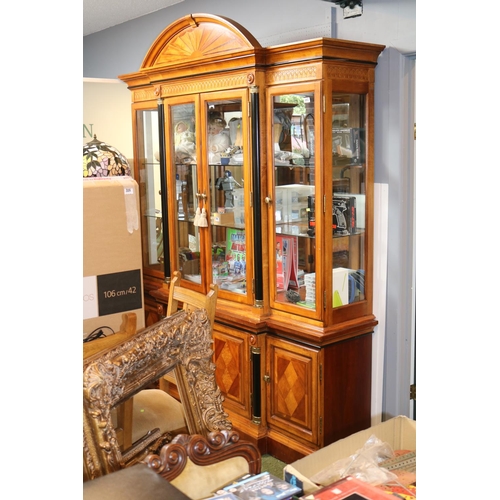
x,y
197,37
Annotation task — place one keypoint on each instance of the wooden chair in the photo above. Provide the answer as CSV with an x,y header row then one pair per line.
x,y
200,465
188,300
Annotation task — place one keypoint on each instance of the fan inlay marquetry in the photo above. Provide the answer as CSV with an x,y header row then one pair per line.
x,y
202,42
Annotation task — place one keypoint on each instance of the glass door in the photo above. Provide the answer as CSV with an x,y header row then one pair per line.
x,y
229,179
348,131
147,174
294,233
183,179
210,210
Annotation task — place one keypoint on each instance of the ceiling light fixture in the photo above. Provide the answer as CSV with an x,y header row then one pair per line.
x,y
351,8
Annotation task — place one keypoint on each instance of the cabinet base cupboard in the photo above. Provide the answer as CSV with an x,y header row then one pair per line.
x,y
255,169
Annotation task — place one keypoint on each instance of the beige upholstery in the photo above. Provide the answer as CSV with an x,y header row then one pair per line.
x,y
200,481
154,408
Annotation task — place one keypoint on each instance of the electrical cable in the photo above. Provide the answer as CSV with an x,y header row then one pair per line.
x,y
97,333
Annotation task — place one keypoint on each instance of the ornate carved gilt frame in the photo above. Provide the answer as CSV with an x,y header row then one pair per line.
x,y
181,342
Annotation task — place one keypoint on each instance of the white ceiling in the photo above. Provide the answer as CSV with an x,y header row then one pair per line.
x,y
101,14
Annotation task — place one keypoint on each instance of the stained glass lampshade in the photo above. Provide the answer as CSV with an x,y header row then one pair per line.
x,y
102,160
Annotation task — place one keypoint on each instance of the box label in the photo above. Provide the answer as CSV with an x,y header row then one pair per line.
x,y
119,292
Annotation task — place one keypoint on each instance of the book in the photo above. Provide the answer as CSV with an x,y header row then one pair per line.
x,y
222,490
236,252
264,486
349,488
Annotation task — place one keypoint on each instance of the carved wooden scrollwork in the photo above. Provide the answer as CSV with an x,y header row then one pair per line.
x,y
181,342
202,450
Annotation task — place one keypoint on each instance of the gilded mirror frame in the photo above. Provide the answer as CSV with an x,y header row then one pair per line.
x,y
182,342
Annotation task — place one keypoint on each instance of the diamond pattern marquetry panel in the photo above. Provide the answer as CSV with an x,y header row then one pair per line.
x,y
293,376
291,390
227,357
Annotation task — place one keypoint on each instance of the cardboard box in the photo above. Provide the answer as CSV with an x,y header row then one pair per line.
x,y
222,219
112,253
399,432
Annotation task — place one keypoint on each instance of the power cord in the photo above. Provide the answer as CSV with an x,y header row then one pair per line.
x,y
97,333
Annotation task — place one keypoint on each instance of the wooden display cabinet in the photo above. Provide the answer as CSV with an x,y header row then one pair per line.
x,y
292,349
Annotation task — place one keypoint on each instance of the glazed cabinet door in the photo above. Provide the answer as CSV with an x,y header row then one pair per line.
x,y
148,175
226,151
294,186
293,387
209,202
351,177
184,182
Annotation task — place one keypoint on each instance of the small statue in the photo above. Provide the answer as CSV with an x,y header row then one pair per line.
x,y
227,184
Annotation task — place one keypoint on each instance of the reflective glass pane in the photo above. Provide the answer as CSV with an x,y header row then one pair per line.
x,y
150,188
348,218
227,200
294,199
186,190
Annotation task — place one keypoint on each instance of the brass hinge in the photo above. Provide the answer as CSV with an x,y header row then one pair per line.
x,y
324,299
320,426
320,373
413,392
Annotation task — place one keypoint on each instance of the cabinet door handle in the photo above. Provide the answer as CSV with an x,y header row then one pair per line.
x,y
267,379
268,200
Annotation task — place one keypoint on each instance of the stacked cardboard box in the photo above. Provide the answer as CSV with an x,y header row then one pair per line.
x,y
112,253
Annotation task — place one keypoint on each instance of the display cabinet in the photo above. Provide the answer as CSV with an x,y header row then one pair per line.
x,y
256,173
